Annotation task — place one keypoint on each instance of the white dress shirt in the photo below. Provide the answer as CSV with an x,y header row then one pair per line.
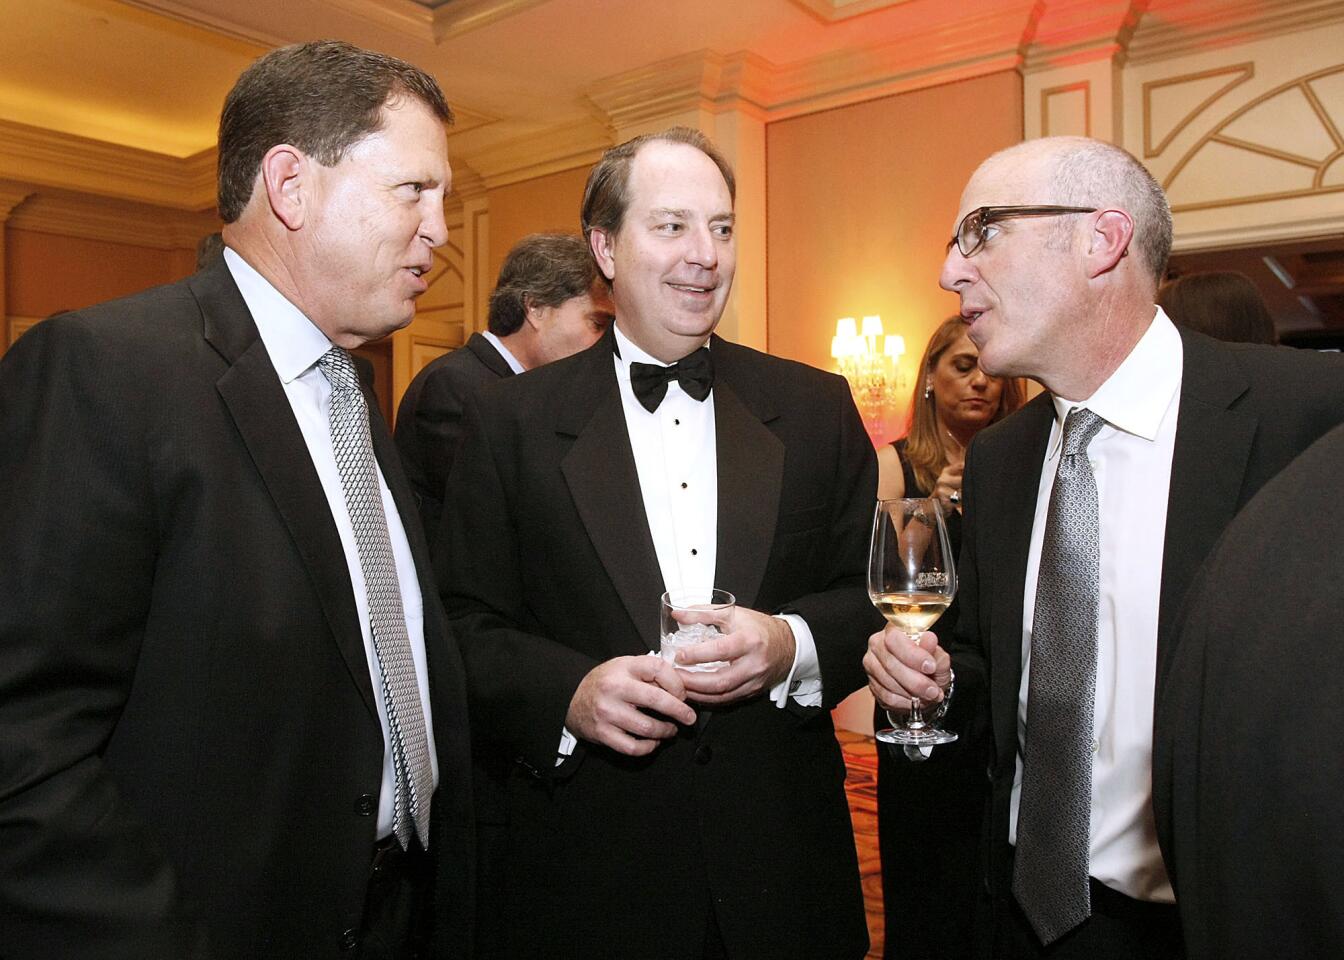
x,y
295,345
1131,458
509,358
676,458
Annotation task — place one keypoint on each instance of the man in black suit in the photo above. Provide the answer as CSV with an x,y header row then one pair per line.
x,y
1070,583
227,690
656,812
548,303
1247,768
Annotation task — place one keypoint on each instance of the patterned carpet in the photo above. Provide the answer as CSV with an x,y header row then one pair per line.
x,y
861,785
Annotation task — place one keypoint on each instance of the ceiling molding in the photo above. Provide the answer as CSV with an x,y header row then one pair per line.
x,y
1198,25
968,47
1080,31
192,16
11,195
114,221
542,153
53,159
833,11
467,185
451,19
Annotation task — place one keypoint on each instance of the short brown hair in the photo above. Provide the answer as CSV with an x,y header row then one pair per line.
x,y
544,269
1224,304
322,97
606,196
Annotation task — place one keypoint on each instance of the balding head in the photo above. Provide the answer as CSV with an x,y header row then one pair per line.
x,y
1081,172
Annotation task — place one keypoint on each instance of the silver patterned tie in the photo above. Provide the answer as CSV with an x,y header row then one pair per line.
x,y
1050,869
350,441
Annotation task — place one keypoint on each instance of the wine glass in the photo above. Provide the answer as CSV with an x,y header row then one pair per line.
x,y
911,581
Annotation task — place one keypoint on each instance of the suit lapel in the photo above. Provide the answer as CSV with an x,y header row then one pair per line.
x,y
750,476
599,470
485,352
1018,477
252,391
1208,468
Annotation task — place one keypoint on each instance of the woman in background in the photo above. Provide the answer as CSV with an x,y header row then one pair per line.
x,y
929,881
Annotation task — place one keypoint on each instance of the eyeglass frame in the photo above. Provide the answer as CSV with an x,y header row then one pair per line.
x,y
990,215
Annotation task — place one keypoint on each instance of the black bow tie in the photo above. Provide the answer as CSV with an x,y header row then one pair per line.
x,y
695,373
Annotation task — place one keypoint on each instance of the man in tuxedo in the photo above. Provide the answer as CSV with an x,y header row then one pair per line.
x,y
1247,770
1087,514
232,717
548,303
656,812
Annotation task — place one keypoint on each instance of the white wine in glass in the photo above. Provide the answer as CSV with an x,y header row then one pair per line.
x,y
911,581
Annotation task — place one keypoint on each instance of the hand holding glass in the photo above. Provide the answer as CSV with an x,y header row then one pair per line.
x,y
911,581
688,617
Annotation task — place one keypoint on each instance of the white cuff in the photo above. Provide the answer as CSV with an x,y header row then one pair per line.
x,y
567,744
803,683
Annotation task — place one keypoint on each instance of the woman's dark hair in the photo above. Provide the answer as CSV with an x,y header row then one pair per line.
x,y
1221,303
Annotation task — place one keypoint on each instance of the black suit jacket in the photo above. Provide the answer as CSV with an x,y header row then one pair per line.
x,y
189,747
1245,412
548,569
429,420
1246,768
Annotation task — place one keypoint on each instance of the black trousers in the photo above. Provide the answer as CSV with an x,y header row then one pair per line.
x,y
1120,928
397,906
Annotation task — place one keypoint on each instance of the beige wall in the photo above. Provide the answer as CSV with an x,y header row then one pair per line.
x,y
549,203
860,201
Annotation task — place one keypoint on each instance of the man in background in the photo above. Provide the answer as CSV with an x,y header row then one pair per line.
x,y
232,718
1087,514
663,458
549,302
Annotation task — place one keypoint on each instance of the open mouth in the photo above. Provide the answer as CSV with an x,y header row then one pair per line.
x,y
691,288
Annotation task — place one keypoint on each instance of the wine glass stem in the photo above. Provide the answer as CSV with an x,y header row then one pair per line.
x,y
916,719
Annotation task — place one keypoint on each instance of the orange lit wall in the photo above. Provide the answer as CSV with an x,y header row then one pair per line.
x,y
45,272
549,203
860,203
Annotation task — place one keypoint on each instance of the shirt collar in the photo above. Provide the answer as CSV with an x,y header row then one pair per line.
x,y
628,352
1137,395
293,342
504,352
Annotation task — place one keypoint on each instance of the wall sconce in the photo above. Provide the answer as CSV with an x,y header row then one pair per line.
x,y
870,361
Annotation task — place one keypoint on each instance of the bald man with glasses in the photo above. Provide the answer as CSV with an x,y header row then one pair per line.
x,y
1086,516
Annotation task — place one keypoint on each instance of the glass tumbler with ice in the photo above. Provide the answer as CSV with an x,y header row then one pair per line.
x,y
688,617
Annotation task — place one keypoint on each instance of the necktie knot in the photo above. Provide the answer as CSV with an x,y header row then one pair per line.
x,y
1080,427
695,373
339,369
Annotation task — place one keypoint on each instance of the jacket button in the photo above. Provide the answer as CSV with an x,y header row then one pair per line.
x,y
703,754
350,939
365,805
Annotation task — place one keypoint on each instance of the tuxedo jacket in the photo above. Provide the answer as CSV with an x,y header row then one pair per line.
x,y
190,753
548,569
1247,773
429,420
1245,412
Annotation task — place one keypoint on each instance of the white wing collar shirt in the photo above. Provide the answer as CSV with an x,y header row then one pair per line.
x,y
1131,459
295,345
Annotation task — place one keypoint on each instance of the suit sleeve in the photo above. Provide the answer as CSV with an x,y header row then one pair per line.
x,y
429,431
78,537
520,682
839,613
968,713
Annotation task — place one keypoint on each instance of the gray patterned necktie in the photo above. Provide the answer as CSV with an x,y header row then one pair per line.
x,y
1050,869
351,443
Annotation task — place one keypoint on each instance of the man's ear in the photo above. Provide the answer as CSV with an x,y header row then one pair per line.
x,y
532,313
286,173
1111,236
603,246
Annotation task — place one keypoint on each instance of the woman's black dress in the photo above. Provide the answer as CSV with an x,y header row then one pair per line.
x,y
930,878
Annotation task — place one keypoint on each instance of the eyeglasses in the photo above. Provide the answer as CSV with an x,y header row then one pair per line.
x,y
971,232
